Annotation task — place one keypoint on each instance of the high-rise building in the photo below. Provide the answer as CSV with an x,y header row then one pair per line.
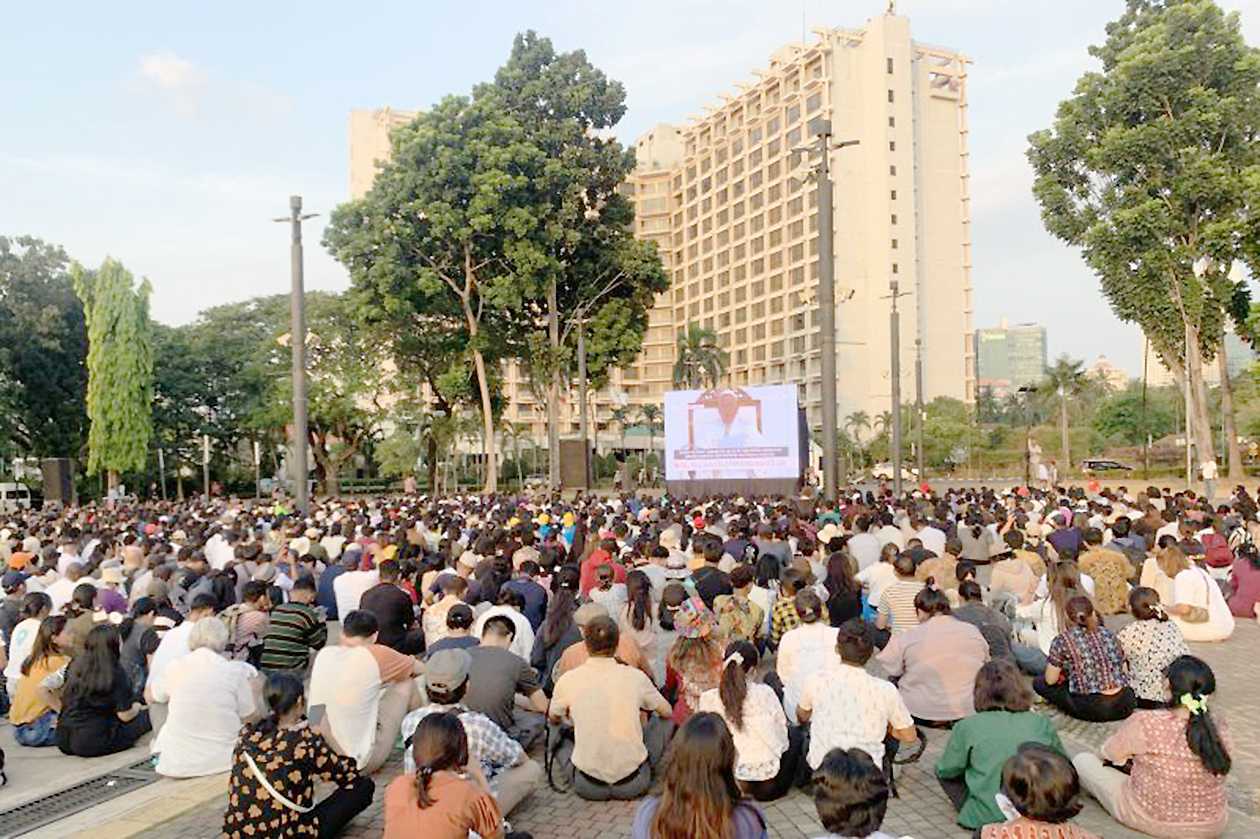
x,y
369,143
729,202
743,237
1010,357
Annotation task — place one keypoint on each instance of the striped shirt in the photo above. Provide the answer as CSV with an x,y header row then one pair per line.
x,y
896,603
296,628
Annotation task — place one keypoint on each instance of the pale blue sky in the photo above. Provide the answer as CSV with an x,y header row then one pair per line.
x,y
168,134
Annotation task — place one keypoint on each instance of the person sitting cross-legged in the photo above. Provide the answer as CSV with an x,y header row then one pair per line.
x,y
271,791
364,689
512,776
613,753
846,707
1087,677
498,676
970,769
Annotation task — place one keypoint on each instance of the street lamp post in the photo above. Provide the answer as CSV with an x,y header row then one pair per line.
x,y
827,304
297,340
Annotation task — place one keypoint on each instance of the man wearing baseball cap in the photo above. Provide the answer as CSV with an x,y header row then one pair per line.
x,y
510,772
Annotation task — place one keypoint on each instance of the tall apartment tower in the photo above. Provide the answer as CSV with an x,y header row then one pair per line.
x,y
744,224
369,143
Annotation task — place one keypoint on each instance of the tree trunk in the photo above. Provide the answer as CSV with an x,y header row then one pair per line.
x,y
487,412
1065,440
1204,449
431,464
553,389
111,479
1227,411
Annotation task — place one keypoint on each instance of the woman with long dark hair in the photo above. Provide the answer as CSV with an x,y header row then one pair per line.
x,y
447,797
139,640
844,592
1151,643
1180,754
35,706
558,631
767,750
636,617
1087,676
700,798
99,714
274,767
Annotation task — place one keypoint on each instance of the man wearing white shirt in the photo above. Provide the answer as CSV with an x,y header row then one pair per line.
x,y
174,645
348,589
889,533
61,591
220,550
863,544
68,553
932,538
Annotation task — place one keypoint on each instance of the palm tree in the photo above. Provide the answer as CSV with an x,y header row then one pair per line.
x,y
857,422
700,359
651,414
1066,378
621,415
515,432
883,422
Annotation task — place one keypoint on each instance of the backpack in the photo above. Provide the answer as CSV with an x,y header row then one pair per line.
x,y
239,651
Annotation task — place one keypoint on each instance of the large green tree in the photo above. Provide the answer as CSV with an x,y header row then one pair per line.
x,y
499,210
43,352
1151,168
441,233
588,269
120,368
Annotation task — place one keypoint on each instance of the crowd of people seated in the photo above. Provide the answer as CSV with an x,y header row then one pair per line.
x,y
703,655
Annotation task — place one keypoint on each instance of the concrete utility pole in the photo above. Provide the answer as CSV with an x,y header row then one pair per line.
x,y
894,334
827,305
297,340
586,445
918,406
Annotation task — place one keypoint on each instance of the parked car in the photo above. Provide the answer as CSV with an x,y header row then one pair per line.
x,y
884,472
1094,466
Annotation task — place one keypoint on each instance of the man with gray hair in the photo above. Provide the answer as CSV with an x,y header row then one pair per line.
x,y
210,698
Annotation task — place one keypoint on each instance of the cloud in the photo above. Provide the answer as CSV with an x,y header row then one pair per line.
x,y
168,71
175,79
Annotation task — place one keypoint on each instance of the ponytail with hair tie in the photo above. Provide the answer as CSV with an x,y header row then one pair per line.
x,y
1196,705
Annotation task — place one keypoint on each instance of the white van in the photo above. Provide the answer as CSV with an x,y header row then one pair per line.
x,y
14,497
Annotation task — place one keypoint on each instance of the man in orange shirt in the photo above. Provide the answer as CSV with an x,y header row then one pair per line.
x,y
628,651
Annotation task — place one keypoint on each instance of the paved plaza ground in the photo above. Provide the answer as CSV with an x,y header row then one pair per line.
x,y
194,809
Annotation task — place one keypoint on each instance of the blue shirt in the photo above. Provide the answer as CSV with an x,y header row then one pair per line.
x,y
535,599
324,595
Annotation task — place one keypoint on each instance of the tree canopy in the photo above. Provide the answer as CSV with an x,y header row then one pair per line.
x,y
1152,168
120,368
43,352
